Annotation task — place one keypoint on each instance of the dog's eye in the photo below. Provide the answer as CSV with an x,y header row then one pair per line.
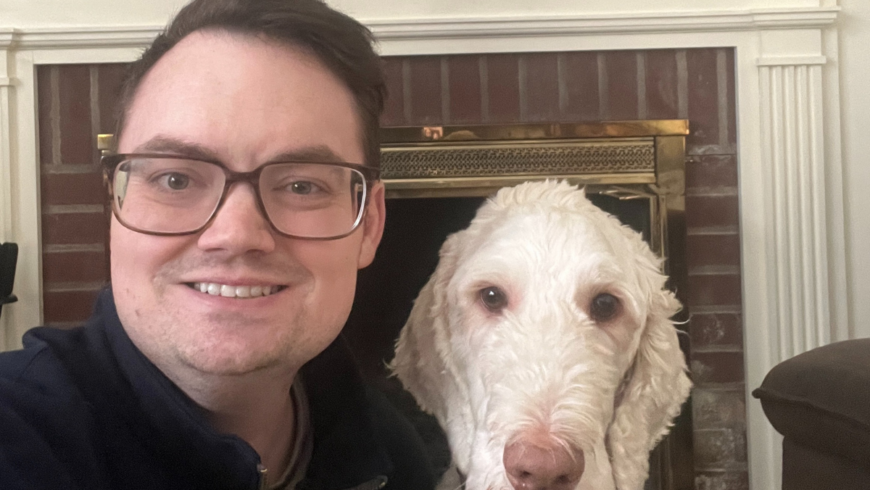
x,y
604,307
493,299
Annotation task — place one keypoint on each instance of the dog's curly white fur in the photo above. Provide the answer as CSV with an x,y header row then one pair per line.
x,y
543,364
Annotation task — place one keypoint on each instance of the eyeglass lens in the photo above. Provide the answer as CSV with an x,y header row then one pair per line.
x,y
172,195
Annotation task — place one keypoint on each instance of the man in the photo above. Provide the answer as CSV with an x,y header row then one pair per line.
x,y
245,198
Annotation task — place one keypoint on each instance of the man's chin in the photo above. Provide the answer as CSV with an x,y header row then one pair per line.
x,y
233,363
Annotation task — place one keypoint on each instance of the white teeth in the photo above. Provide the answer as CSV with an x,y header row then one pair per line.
x,y
228,291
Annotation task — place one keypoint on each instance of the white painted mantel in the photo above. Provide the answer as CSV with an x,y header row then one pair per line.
x,y
790,170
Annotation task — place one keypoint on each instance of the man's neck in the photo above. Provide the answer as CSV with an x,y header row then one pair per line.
x,y
256,407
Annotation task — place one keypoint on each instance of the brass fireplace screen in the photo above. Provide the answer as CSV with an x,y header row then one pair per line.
x,y
623,159
436,177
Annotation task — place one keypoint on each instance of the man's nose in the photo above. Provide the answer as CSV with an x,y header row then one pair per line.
x,y
239,225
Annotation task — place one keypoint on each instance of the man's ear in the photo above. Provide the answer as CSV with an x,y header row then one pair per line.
x,y
372,225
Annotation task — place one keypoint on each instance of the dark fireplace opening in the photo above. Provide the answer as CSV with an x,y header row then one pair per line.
x,y
407,256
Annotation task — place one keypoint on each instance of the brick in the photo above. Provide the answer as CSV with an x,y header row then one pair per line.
x,y
714,409
622,84
503,87
69,267
717,367
111,77
728,480
542,87
711,211
703,97
77,141
661,84
465,98
74,228
719,448
73,189
714,290
716,330
581,74
44,104
712,171
712,251
425,86
394,106
68,306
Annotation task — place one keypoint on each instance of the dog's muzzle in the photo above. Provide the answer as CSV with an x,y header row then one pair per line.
x,y
543,466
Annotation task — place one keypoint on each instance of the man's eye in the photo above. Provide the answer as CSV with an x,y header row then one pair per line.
x,y
493,298
175,181
302,187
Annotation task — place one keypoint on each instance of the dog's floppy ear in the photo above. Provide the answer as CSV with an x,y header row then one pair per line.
x,y
652,397
422,362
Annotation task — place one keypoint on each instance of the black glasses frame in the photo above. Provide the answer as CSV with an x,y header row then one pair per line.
x,y
110,163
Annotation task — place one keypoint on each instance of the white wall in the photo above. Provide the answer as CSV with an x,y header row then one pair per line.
x,y
855,110
61,13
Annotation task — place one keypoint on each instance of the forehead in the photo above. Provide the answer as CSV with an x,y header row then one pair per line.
x,y
588,229
570,239
553,246
245,99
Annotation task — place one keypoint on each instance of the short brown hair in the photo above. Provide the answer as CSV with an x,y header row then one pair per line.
x,y
341,43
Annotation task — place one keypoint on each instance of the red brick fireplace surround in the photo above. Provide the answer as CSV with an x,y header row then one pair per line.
x,y
75,103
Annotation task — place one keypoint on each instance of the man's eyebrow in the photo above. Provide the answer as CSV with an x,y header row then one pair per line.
x,y
168,144
309,154
175,146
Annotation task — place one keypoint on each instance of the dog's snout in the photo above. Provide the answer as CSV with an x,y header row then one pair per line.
x,y
547,466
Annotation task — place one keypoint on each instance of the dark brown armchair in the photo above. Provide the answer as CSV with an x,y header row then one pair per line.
x,y
820,402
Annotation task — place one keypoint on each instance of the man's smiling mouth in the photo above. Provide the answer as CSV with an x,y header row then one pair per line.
x,y
228,291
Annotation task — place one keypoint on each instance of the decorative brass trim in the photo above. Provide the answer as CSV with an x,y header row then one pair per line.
x,y
106,143
513,132
487,186
531,158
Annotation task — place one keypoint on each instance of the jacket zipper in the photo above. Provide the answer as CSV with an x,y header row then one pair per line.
x,y
263,477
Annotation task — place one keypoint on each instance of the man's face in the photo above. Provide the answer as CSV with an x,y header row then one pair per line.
x,y
246,102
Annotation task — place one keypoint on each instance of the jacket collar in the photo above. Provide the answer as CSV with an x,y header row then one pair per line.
x,y
346,452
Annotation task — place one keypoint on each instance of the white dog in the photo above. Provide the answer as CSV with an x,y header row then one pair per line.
x,y
542,344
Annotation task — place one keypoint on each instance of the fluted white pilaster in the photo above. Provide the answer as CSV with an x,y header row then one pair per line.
x,y
793,148
787,297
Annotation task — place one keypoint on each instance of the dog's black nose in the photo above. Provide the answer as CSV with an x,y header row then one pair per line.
x,y
543,466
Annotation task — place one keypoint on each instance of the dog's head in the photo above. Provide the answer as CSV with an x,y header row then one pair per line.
x,y
545,331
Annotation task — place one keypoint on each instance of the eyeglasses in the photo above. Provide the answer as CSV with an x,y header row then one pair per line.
x,y
166,195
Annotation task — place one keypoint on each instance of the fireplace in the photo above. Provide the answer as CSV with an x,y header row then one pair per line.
x,y
437,177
